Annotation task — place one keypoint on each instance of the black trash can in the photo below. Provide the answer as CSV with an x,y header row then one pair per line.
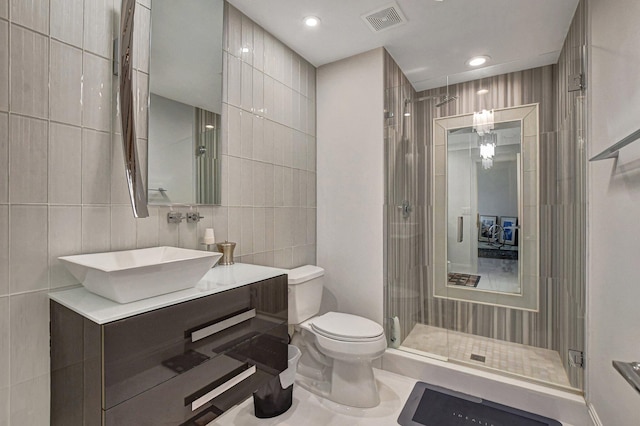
x,y
276,396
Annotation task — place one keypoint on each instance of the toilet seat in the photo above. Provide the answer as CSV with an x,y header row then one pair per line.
x,y
346,327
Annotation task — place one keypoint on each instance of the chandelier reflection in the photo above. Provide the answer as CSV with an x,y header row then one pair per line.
x,y
487,144
483,125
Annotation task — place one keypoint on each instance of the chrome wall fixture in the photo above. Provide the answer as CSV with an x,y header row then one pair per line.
x,y
193,217
612,151
175,217
133,171
630,371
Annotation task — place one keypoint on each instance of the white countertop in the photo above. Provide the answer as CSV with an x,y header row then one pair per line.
x,y
218,279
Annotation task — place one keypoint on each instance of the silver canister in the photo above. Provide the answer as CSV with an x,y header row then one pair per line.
x,y
226,249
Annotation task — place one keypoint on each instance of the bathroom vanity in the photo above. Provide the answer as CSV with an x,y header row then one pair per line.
x,y
178,359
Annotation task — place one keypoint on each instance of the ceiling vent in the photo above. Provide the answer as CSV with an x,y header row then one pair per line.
x,y
386,17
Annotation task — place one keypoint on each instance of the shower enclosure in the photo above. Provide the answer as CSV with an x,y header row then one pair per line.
x,y
544,342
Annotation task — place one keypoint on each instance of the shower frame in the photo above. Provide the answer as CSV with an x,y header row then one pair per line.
x,y
559,325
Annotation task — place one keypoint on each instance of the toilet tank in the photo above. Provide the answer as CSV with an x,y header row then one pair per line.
x,y
305,292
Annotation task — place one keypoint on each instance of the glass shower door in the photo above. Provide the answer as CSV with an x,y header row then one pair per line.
x,y
405,209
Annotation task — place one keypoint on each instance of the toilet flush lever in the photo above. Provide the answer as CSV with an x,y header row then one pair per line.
x,y
405,208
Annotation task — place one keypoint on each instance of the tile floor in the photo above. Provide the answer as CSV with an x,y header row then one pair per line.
x,y
311,410
498,275
524,361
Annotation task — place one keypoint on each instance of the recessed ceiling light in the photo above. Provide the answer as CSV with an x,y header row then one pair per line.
x,y
245,50
312,21
209,126
482,92
476,61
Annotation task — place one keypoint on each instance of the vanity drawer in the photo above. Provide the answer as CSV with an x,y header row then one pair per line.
x,y
192,395
147,350
199,395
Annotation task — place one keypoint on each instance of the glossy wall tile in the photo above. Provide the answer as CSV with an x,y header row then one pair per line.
x,y
29,319
29,66
65,164
28,261
33,14
4,252
65,238
5,367
268,146
98,26
65,84
4,66
4,157
67,19
28,138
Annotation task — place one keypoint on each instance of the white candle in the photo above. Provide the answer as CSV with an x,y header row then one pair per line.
x,y
209,237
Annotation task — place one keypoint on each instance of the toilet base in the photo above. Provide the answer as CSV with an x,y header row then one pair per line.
x,y
349,383
346,383
353,384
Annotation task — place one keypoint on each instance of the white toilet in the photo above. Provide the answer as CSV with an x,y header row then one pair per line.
x,y
337,349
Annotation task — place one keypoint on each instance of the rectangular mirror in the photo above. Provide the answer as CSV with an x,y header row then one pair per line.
x,y
185,82
483,193
486,246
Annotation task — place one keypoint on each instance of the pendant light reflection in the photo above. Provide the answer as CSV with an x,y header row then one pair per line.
x,y
487,144
483,123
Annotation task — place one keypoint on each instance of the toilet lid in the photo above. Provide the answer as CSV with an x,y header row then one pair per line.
x,y
341,326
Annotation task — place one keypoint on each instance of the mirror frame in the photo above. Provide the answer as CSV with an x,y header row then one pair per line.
x,y
528,216
133,170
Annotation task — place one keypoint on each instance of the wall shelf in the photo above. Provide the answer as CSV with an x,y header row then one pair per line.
x,y
612,151
630,371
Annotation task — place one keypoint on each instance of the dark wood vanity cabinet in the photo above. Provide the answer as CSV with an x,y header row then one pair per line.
x,y
184,364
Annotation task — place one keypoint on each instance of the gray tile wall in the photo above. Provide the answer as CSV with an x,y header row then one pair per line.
x,y
269,148
62,187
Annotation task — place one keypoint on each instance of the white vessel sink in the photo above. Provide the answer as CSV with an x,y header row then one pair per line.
x,y
130,275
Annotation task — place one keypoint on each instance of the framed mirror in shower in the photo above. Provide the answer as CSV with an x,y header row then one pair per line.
x,y
486,224
185,84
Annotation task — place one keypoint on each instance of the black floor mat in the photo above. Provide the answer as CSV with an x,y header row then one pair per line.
x,y
435,406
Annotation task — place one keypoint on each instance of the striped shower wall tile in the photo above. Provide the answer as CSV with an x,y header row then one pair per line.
x,y
559,323
404,156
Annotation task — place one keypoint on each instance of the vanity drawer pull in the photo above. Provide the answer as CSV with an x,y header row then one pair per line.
x,y
222,325
220,386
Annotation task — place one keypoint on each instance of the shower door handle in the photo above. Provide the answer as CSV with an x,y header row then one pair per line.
x,y
460,229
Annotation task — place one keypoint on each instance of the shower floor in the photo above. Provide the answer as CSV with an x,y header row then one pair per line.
x,y
539,364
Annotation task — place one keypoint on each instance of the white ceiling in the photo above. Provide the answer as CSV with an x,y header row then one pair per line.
x,y
437,40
